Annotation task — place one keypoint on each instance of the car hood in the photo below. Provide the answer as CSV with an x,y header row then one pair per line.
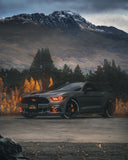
x,y
47,94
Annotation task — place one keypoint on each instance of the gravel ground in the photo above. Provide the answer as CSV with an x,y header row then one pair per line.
x,y
75,151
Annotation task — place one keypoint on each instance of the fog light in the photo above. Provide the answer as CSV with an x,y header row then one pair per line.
x,y
54,109
19,109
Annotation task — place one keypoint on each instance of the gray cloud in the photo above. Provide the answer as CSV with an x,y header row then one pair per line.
x,y
87,5
101,5
98,6
87,8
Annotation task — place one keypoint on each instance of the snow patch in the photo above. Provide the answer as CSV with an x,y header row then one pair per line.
x,y
99,30
71,13
62,16
81,26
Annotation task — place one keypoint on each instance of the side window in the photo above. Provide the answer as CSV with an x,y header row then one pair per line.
x,y
89,87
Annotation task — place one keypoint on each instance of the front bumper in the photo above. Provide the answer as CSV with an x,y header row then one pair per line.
x,y
42,109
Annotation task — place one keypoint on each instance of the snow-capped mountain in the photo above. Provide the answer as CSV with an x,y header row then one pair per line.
x,y
60,19
70,38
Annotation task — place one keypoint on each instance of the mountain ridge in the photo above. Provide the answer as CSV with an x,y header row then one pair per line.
x,y
61,17
70,38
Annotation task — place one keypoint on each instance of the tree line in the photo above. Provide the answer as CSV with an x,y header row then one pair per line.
x,y
108,75
41,69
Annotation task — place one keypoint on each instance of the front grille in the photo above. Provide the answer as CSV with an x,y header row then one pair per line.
x,y
36,100
43,106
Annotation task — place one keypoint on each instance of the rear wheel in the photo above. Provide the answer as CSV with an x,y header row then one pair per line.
x,y
110,108
72,109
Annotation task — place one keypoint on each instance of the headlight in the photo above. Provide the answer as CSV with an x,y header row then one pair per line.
x,y
56,99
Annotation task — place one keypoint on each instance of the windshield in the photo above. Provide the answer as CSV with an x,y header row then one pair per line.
x,y
72,87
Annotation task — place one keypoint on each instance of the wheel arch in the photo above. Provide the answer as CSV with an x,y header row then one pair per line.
x,y
66,105
75,99
106,107
108,99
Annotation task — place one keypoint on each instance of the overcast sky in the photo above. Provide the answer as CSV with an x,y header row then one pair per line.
x,y
98,12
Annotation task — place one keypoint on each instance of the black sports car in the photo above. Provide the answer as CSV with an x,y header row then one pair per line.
x,y
69,101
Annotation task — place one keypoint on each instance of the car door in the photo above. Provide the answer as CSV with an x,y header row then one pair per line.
x,y
90,99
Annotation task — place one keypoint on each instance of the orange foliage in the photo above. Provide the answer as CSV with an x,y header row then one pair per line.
x,y
8,103
1,84
37,87
27,87
31,86
121,107
51,82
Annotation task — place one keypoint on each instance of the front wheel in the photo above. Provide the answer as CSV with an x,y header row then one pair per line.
x,y
72,109
110,108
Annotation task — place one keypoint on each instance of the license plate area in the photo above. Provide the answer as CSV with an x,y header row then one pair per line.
x,y
32,107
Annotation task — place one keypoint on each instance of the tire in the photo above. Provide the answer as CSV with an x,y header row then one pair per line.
x,y
72,109
110,108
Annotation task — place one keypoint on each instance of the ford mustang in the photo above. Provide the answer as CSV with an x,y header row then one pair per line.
x,y
69,101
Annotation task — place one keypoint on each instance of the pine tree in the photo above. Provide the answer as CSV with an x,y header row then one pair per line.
x,y
67,74
42,63
110,76
78,75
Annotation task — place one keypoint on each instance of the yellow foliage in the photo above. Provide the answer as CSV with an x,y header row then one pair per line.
x,y
121,107
51,82
8,103
37,87
27,86
32,84
1,84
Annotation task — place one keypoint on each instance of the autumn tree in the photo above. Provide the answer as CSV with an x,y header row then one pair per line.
x,y
1,85
27,86
50,82
37,86
32,84
1,88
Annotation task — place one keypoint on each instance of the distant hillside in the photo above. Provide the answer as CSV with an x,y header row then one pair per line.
x,y
70,38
